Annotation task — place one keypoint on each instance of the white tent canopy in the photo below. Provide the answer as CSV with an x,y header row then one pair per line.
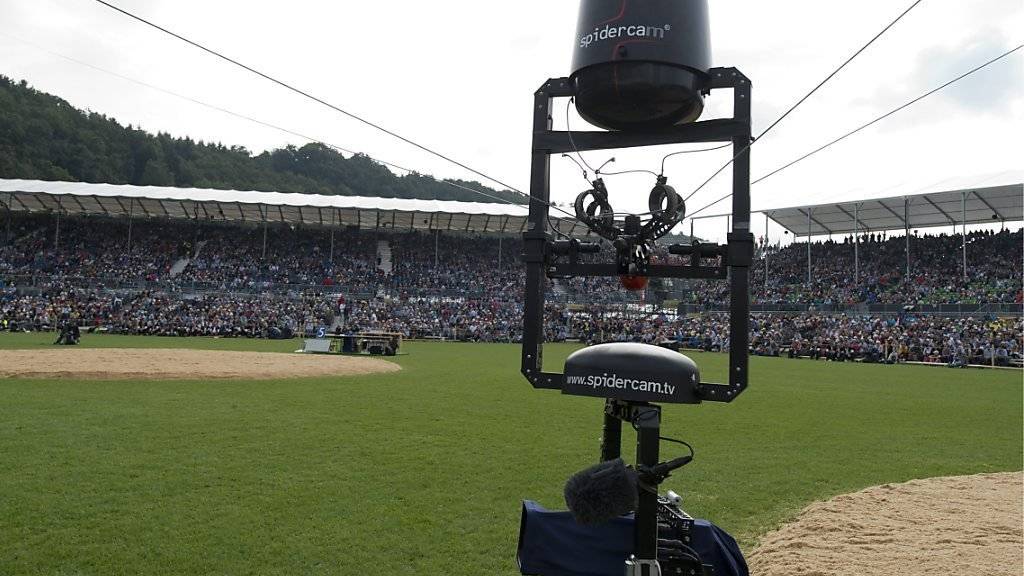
x,y
246,206
987,205
953,202
986,199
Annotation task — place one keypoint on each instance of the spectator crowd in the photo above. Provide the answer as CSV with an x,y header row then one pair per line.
x,y
936,271
163,277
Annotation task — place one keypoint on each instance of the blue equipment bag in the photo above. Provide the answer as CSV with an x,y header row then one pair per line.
x,y
553,544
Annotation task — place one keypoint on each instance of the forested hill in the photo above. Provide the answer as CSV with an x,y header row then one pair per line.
x,y
44,138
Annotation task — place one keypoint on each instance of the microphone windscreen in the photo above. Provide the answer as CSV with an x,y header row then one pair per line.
x,y
602,492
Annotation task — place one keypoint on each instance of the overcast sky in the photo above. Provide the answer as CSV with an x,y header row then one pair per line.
x,y
458,76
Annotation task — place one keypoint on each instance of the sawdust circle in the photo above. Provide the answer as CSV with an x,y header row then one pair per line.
x,y
952,525
175,364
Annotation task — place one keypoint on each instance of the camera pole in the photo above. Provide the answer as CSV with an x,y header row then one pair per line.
x,y
645,535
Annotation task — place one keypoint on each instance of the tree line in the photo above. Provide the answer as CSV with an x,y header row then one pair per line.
x,y
43,137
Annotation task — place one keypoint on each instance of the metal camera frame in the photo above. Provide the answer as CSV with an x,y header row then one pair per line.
x,y
545,257
539,248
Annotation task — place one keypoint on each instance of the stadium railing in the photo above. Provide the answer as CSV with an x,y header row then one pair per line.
x,y
35,283
993,308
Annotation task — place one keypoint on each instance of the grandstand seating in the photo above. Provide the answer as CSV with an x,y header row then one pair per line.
x,y
473,290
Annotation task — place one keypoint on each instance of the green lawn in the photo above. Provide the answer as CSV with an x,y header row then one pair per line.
x,y
421,472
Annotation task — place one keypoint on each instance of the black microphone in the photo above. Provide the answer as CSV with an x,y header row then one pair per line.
x,y
659,472
602,492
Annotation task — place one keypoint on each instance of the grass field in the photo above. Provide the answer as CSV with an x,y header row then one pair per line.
x,y
421,472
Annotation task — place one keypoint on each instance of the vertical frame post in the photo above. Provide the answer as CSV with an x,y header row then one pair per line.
x,y
10,215
765,253
535,240
809,247
856,243
906,230
741,245
263,252
963,230
56,233
131,218
333,226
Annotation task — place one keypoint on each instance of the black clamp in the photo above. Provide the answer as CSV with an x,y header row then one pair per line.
x,y
741,249
535,244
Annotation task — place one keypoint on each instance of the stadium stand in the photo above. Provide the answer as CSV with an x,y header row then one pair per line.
x,y
232,277
935,277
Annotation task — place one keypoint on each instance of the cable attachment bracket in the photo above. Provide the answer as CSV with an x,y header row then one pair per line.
x,y
594,210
